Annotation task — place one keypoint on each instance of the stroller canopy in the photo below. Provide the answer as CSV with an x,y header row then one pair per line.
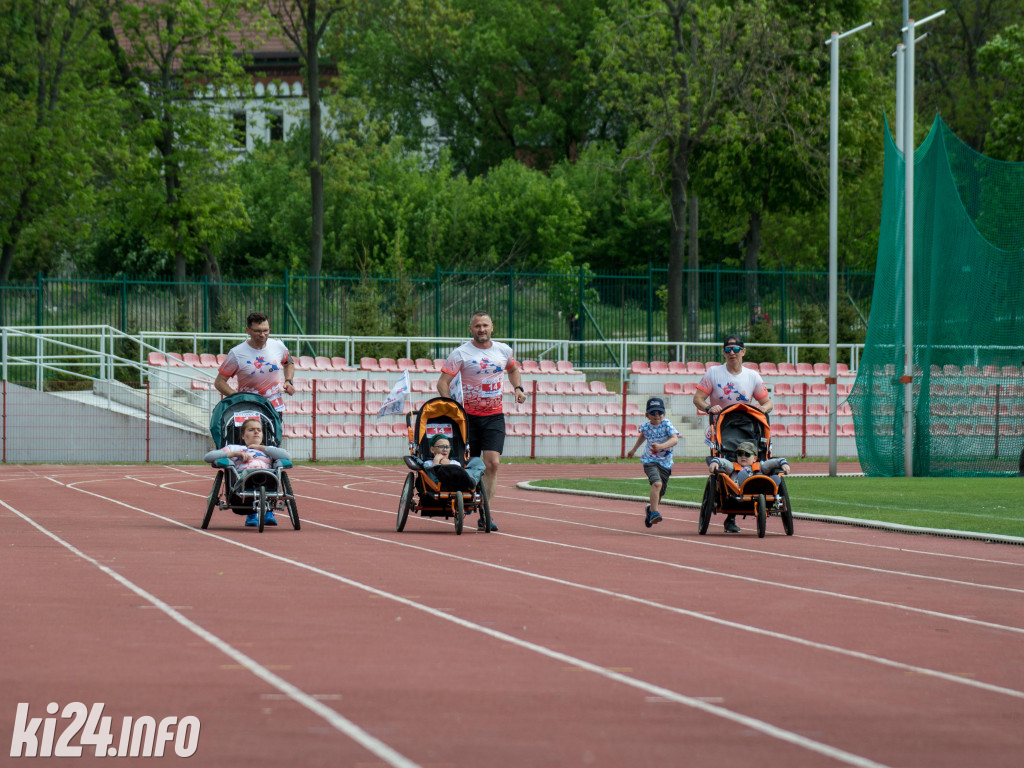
x,y
231,413
440,416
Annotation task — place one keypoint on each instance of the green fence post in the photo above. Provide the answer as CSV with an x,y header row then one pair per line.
x,y
124,302
650,307
287,303
39,298
437,304
782,310
718,301
511,305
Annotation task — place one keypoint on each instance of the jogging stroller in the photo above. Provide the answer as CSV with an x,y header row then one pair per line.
x,y
249,491
445,491
759,494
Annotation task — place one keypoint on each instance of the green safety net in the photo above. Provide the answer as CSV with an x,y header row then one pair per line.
x,y
968,317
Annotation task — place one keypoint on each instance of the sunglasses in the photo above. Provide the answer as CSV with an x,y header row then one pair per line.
x,y
734,350
743,453
655,413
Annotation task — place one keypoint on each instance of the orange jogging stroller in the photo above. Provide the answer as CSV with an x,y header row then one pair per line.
x,y
435,493
759,494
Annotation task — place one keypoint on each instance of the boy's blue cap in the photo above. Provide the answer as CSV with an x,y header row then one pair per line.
x,y
655,404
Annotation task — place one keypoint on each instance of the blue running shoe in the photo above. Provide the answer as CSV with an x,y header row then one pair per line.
x,y
252,520
270,519
480,524
652,517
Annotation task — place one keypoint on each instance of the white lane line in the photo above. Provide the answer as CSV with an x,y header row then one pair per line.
x,y
693,614
705,571
753,723
300,697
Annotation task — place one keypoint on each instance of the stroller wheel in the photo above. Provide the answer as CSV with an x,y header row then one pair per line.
x,y
707,506
786,511
213,499
460,512
289,502
762,516
263,507
405,501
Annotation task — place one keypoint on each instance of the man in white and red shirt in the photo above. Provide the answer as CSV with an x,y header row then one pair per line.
x,y
258,364
483,364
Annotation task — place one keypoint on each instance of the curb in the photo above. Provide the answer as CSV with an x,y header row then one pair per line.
x,y
993,538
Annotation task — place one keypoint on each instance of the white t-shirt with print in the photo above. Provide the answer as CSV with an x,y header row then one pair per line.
x,y
258,371
483,372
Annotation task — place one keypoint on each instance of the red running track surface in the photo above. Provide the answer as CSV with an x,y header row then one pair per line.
x,y
574,636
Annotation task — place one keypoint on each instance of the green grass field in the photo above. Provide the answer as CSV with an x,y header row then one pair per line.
x,y
980,505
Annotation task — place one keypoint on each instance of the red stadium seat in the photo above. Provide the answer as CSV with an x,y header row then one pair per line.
x,y
548,366
339,363
659,367
368,364
639,366
696,368
768,369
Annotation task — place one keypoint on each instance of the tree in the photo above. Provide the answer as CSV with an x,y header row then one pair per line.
x,y
1003,58
306,23
491,80
175,59
676,68
59,123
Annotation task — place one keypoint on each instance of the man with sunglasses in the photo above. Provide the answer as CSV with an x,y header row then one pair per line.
x,y
725,385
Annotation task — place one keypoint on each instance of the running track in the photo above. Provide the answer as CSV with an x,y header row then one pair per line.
x,y
575,637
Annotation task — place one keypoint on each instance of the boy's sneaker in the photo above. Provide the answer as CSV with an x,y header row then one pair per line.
x,y
652,517
252,520
480,524
270,519
730,525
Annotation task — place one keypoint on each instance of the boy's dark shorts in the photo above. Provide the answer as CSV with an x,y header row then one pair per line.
x,y
485,433
658,474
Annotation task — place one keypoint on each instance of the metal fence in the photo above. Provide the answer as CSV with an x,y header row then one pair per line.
x,y
579,306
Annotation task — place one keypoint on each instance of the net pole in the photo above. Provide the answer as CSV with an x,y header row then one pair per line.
x,y
901,67
833,236
833,246
908,255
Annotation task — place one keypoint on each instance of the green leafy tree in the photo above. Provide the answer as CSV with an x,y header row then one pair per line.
x,y
677,69
951,80
306,24
60,127
175,58
490,79
1003,58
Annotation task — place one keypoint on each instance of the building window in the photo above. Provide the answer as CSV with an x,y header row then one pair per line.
x,y
275,125
238,120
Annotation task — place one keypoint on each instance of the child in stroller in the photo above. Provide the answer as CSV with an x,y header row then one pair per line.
x,y
251,480
439,485
744,478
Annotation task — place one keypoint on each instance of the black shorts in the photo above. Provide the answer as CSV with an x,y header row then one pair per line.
x,y
658,474
485,433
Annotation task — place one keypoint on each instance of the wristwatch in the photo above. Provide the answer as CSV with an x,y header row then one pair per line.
x,y
288,381
520,389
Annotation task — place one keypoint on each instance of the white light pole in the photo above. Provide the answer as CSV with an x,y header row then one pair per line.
x,y
833,237
907,379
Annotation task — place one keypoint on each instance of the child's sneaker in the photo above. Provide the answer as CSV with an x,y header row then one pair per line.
x,y
269,519
252,520
652,517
